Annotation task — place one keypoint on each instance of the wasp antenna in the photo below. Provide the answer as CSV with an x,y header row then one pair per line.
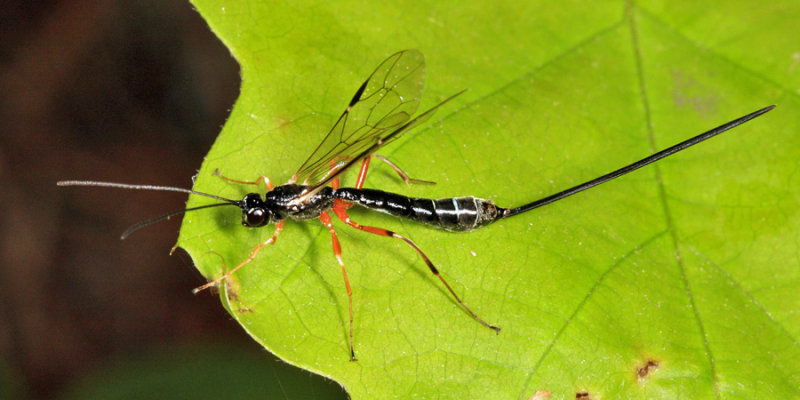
x,y
165,217
142,187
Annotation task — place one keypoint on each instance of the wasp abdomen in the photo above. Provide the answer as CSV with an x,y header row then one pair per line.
x,y
455,214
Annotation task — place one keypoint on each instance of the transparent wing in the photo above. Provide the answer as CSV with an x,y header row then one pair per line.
x,y
343,166
382,105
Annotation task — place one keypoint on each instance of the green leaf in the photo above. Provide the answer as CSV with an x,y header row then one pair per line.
x,y
689,265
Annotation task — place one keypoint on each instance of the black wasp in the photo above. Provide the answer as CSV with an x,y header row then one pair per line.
x,y
379,113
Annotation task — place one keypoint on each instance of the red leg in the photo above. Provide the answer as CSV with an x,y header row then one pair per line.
x,y
261,179
341,212
337,251
407,179
335,182
271,240
362,173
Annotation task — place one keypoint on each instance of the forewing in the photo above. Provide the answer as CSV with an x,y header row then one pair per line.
x,y
382,104
396,133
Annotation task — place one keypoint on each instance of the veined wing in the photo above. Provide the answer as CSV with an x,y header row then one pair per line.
x,y
375,146
382,105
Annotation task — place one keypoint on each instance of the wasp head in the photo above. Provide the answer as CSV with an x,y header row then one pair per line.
x,y
255,212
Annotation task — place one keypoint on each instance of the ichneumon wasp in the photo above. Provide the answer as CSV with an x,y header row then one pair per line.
x,y
380,111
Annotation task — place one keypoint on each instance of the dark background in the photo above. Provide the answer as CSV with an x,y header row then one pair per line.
x,y
120,91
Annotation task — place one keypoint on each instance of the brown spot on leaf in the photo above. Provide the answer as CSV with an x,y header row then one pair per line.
x,y
646,369
583,396
231,292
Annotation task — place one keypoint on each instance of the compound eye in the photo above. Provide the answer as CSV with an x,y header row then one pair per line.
x,y
255,217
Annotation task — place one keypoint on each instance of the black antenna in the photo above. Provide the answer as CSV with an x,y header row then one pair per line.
x,y
140,225
638,164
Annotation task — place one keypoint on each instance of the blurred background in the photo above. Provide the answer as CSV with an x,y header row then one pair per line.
x,y
124,91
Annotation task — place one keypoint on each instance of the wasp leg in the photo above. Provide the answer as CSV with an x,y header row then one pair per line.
x,y
399,171
261,179
341,212
362,173
271,240
337,251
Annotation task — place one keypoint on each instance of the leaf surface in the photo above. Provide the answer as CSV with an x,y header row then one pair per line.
x,y
677,280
